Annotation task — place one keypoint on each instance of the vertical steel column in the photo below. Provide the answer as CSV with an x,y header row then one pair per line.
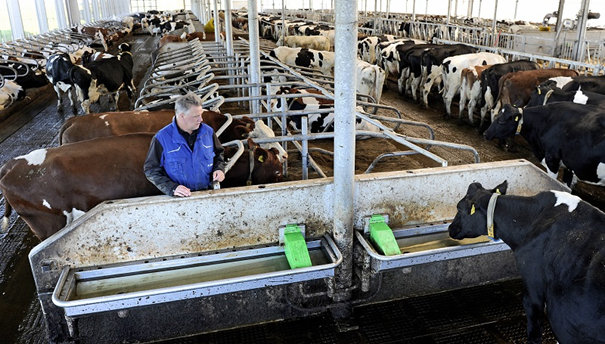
x,y
86,9
413,10
254,53
42,18
516,6
95,11
375,18
579,50
228,27
449,10
559,25
217,21
495,36
14,13
345,75
469,10
479,14
61,14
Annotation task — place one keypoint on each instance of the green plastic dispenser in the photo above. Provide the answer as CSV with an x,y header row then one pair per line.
x,y
382,236
296,247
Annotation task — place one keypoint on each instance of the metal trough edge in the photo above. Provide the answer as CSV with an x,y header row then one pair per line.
x,y
381,262
74,308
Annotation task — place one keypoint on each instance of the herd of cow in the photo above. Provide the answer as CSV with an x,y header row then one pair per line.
x,y
484,82
91,164
558,112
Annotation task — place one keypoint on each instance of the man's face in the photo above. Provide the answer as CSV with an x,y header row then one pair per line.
x,y
191,120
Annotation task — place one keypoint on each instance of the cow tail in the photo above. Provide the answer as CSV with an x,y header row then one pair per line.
x,y
7,207
7,213
61,131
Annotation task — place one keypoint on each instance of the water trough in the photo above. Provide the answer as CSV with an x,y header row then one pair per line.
x,y
213,261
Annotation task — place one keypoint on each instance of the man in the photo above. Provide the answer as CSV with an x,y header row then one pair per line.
x,y
185,155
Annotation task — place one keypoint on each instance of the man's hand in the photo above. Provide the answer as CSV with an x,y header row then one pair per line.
x,y
218,175
182,191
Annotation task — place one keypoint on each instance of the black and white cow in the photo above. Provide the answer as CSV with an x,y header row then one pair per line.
x,y
431,61
590,83
322,61
547,93
560,134
557,240
490,78
58,67
106,76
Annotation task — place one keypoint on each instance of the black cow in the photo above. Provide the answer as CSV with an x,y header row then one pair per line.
x,y
490,78
106,76
591,83
547,93
26,76
410,68
432,59
559,134
58,68
557,240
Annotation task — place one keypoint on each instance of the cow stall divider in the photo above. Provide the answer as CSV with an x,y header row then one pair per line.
x,y
213,261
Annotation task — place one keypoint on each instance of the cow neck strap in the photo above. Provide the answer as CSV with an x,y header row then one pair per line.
x,y
520,124
491,207
547,95
251,152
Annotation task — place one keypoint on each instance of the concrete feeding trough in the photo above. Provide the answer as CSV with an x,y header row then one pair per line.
x,y
213,261
85,291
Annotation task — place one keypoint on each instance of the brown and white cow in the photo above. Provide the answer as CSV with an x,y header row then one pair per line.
x,y
50,188
109,124
470,91
516,88
308,42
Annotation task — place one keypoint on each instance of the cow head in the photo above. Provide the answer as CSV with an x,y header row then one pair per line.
x,y
506,124
265,165
124,47
471,216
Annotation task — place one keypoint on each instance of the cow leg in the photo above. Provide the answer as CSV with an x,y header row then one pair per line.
x,y
401,82
116,100
552,166
59,98
426,89
415,85
533,313
462,104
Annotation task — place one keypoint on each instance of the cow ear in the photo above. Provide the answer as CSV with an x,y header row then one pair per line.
x,y
261,155
501,189
473,188
241,131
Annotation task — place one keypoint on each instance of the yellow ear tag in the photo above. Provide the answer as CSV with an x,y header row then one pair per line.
x,y
498,191
472,209
539,90
261,159
516,118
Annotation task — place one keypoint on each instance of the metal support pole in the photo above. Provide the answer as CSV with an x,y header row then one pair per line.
x,y
495,36
579,50
344,141
228,27
559,25
413,10
516,6
254,53
449,11
217,21
469,10
479,14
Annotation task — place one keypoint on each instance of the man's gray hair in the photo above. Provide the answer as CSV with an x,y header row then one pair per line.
x,y
186,102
